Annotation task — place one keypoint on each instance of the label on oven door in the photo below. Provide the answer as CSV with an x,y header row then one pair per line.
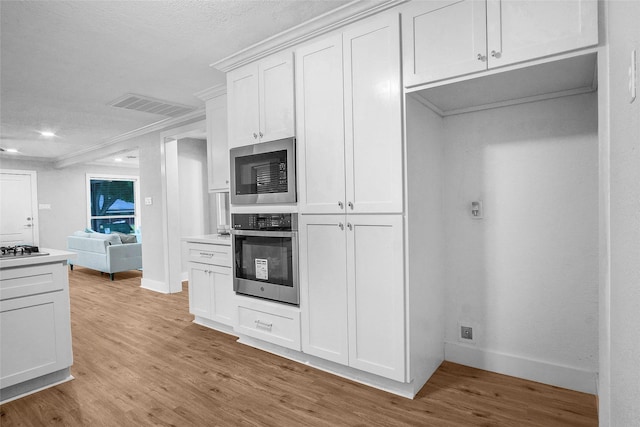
x,y
262,269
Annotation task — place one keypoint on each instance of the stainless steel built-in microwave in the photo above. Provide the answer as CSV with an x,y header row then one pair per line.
x,y
264,173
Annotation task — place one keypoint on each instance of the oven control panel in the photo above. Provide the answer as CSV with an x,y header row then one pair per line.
x,y
267,222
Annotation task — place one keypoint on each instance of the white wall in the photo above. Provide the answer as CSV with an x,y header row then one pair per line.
x,y
526,276
66,191
193,190
624,370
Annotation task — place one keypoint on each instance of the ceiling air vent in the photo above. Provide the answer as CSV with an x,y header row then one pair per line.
x,y
147,104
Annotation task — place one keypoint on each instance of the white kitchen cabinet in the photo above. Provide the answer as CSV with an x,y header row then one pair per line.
x,y
320,126
349,110
323,293
444,39
35,343
352,291
217,144
211,295
260,101
268,321
211,292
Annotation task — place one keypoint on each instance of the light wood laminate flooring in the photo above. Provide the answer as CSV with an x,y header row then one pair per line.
x,y
140,361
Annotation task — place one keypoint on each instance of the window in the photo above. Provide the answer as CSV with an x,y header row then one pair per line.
x,y
113,203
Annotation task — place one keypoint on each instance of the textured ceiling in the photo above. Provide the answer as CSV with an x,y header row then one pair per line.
x,y
63,61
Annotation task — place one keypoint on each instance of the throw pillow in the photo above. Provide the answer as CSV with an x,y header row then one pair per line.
x,y
126,238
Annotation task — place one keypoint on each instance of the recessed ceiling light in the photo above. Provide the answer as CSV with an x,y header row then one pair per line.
x,y
118,159
47,134
12,150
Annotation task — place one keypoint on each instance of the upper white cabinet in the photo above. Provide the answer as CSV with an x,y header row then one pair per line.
x,y
260,101
320,123
217,144
349,115
445,39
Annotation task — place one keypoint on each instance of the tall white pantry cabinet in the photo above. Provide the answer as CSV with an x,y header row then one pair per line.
x,y
350,157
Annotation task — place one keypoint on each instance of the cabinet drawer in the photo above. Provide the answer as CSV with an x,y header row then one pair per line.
x,y
209,254
268,322
39,279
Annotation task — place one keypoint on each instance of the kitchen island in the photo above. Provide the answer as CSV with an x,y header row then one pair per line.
x,y
35,326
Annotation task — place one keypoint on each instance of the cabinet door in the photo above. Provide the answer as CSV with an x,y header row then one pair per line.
x,y
242,101
520,30
217,144
222,304
199,290
443,39
320,127
376,295
35,323
323,286
373,116
276,97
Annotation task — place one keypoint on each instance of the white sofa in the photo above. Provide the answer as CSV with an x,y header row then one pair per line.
x,y
104,252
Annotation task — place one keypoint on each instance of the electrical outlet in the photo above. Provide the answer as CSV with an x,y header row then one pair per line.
x,y
466,332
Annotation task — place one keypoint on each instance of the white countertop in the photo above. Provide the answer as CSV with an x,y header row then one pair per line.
x,y
216,239
54,256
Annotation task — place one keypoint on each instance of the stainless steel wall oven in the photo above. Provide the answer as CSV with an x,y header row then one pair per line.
x,y
265,248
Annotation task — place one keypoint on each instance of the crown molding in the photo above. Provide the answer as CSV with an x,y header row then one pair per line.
x,y
336,18
81,155
212,92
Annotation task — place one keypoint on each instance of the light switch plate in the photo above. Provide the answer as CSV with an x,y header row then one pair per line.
x,y
148,201
633,76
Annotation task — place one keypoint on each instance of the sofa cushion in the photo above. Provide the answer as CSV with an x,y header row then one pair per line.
x,y
126,238
111,239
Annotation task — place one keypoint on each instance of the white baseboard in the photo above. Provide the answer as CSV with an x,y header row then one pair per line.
x,y
154,285
516,366
184,277
407,390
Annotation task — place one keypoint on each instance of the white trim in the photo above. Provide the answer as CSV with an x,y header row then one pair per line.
x,y
408,390
154,285
78,156
113,177
517,366
212,92
170,190
336,18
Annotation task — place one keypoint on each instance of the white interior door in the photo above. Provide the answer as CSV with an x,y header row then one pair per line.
x,y
18,210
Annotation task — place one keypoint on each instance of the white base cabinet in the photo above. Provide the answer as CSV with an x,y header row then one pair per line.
x,y
352,291
35,338
211,295
272,322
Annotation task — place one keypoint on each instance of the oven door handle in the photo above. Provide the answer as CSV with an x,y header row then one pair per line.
x,y
264,233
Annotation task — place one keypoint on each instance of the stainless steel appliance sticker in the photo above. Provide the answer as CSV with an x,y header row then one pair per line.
x,y
262,269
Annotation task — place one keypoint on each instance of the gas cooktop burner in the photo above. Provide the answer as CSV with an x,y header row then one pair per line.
x,y
20,251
